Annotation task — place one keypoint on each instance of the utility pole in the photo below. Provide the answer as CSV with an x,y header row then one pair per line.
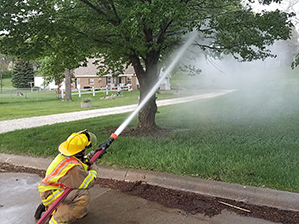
x,y
1,71
2,59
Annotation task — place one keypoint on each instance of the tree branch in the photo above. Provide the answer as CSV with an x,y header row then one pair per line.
x,y
115,13
93,7
162,31
215,48
97,40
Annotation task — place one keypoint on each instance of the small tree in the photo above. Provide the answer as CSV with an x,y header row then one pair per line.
x,y
4,62
22,74
51,70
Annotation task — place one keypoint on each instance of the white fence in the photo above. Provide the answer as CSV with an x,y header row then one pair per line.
x,y
93,91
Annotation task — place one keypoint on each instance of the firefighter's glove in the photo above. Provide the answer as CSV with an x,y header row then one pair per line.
x,y
88,157
94,167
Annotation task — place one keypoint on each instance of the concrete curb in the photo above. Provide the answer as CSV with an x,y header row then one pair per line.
x,y
253,195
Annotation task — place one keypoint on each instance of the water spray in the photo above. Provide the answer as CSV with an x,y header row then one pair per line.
x,y
156,86
102,148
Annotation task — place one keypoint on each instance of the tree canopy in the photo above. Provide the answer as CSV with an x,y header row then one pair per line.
x,y
137,32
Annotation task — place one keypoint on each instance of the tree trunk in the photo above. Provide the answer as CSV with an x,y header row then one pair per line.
x,y
58,83
147,115
147,79
58,92
68,81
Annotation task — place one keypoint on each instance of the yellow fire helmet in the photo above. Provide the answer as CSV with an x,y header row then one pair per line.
x,y
76,143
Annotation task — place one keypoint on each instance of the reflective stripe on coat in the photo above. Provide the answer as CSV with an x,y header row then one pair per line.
x,y
59,168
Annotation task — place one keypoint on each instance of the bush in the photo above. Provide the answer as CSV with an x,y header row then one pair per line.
x,y
86,100
6,74
35,88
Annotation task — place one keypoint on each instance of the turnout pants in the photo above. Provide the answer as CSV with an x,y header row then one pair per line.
x,y
73,207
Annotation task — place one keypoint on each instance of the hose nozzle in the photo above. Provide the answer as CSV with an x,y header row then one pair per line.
x,y
102,148
109,141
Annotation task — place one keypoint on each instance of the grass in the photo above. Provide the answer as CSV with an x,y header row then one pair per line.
x,y
248,137
6,83
47,104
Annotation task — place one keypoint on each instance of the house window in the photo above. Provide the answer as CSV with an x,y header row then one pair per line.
x,y
108,80
129,80
91,81
118,80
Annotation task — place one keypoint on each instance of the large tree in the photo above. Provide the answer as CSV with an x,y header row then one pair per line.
x,y
138,32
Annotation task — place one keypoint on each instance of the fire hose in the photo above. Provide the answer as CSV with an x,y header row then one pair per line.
x,y
99,153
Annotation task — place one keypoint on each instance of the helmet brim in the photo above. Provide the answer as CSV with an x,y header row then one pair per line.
x,y
62,148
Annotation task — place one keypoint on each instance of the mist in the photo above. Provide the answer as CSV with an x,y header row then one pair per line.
x,y
229,73
264,89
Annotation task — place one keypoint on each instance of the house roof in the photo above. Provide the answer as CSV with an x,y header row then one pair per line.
x,y
91,70
129,70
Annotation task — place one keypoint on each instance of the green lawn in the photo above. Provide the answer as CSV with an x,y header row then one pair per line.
x,y
6,83
249,137
28,106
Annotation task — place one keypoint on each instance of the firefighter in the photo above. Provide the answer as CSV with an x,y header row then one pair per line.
x,y
68,170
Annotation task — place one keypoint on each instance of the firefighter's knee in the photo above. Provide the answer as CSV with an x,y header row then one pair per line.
x,y
84,199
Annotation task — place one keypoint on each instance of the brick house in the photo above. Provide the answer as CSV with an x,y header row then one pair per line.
x,y
86,77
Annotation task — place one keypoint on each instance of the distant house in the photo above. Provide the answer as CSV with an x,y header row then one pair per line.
x,y
86,77
39,82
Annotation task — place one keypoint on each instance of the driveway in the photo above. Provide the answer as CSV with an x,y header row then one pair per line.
x,y
30,122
